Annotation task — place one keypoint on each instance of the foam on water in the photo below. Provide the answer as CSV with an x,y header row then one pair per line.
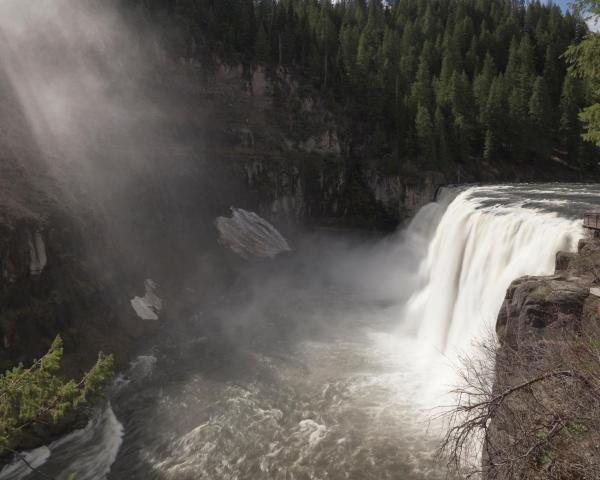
x,y
88,453
97,446
139,370
18,469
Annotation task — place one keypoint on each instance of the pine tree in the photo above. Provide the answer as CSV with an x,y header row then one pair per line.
x,y
421,89
489,149
569,115
441,131
463,113
540,115
483,83
552,74
495,117
425,134
391,65
36,395
585,63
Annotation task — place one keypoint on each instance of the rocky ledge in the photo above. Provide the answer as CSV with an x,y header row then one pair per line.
x,y
544,408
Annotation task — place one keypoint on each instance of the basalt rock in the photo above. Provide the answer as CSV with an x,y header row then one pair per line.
x,y
538,308
544,326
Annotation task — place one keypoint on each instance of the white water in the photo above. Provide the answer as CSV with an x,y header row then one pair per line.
x,y
97,446
478,248
19,469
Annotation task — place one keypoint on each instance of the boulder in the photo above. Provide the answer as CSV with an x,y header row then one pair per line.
x,y
148,306
539,307
250,236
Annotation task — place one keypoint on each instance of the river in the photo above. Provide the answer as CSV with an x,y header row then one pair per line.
x,y
330,362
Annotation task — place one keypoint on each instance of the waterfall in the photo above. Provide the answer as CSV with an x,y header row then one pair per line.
x,y
480,245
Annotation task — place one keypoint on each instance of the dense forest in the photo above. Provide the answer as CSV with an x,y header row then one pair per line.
x,y
442,81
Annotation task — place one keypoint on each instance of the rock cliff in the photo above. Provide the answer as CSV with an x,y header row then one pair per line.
x,y
545,412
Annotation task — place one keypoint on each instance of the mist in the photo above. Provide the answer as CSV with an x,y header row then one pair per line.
x,y
323,361
113,130
76,68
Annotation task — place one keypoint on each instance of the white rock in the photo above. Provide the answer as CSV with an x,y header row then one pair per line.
x,y
249,235
148,306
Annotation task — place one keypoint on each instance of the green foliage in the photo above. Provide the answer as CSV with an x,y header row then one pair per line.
x,y
549,454
540,115
425,134
590,117
34,395
546,458
484,72
595,344
584,63
569,125
575,428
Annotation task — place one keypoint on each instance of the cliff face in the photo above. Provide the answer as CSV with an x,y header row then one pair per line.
x,y
45,283
78,238
544,422
48,283
294,153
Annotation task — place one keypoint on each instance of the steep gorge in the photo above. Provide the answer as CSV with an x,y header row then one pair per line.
x,y
133,193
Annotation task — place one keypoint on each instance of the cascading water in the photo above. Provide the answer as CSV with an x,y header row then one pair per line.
x,y
478,248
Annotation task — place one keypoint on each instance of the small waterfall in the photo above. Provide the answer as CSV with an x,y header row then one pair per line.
x,y
480,245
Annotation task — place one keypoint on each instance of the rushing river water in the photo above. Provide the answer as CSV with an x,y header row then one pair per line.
x,y
328,363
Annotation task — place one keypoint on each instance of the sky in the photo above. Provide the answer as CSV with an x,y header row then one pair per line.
x,y
564,4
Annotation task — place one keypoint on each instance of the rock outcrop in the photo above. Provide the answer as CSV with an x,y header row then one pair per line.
x,y
250,236
548,332
541,308
149,306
